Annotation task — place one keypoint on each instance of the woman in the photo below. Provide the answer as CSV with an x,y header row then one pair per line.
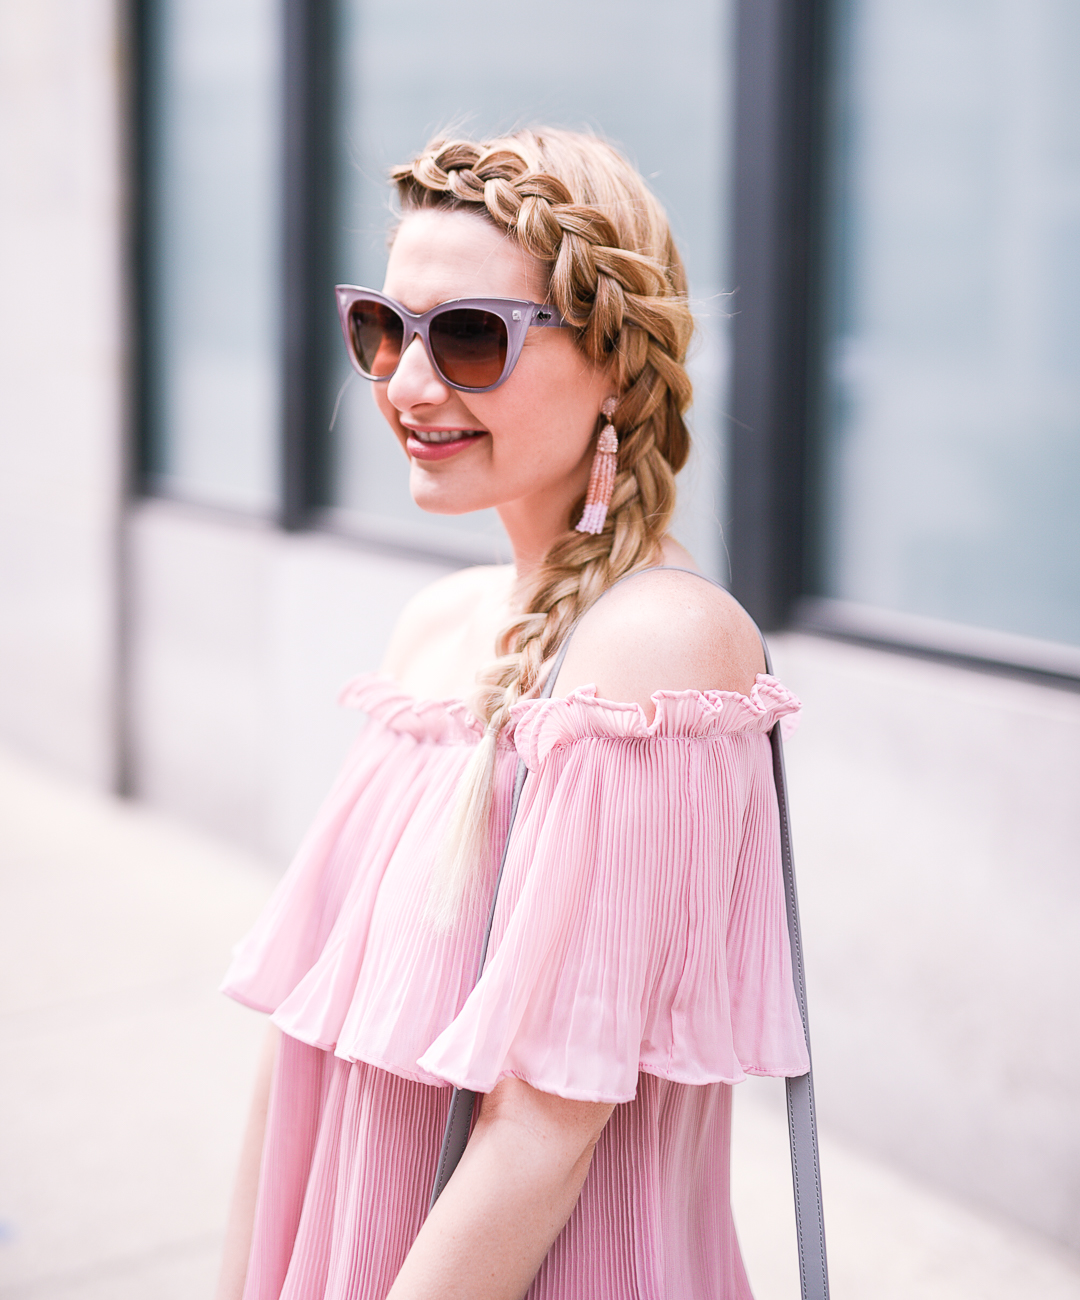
x,y
639,962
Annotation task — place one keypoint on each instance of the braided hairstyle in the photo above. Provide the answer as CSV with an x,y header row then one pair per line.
x,y
585,214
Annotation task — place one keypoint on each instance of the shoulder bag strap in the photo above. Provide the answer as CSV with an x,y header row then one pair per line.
x,y
462,1101
802,1119
802,1115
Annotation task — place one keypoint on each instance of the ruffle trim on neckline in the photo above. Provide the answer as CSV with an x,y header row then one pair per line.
x,y
443,722
540,725
543,725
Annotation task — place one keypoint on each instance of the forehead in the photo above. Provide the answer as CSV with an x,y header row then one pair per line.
x,y
440,255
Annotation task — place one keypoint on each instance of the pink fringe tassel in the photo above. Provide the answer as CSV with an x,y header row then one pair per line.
x,y
602,478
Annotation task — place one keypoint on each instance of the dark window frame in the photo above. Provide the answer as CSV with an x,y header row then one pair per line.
x,y
307,197
137,25
782,81
778,85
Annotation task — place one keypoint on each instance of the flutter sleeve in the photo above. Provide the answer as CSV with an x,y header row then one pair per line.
x,y
640,923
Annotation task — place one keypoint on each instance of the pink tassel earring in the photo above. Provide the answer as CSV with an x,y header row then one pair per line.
x,y
602,478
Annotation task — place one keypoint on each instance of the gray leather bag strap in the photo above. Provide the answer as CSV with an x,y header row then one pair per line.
x,y
802,1115
802,1119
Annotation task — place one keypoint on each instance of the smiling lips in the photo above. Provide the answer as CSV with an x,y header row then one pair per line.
x,y
438,444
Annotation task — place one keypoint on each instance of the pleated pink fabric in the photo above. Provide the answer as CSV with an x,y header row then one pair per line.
x,y
639,956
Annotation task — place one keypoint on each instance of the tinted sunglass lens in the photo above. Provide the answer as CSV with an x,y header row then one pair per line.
x,y
469,346
376,332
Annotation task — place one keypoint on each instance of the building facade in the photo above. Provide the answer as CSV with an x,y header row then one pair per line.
x,y
203,533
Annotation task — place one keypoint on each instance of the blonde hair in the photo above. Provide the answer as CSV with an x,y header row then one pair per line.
x,y
578,207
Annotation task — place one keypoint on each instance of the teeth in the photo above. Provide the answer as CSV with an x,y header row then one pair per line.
x,y
442,435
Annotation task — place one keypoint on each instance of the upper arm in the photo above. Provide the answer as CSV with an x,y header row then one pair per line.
x,y
663,631
568,1129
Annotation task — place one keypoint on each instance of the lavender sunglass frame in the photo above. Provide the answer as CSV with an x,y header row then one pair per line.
x,y
518,315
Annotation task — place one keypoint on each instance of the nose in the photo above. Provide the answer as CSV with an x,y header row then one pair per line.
x,y
416,382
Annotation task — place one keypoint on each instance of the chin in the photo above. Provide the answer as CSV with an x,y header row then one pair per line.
x,y
436,500
445,507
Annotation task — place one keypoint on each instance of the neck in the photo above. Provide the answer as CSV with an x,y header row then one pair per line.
x,y
532,526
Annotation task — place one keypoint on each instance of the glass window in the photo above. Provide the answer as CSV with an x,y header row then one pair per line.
x,y
655,82
952,431
213,194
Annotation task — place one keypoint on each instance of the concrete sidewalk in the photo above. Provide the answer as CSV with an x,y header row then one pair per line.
x,y
125,1079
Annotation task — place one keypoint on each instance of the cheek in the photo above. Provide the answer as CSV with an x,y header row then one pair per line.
x,y
550,419
542,442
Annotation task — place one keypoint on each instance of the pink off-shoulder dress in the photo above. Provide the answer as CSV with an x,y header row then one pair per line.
x,y
639,956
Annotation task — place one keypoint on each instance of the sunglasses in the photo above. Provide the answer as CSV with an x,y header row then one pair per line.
x,y
473,343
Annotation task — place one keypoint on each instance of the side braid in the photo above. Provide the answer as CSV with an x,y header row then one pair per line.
x,y
582,211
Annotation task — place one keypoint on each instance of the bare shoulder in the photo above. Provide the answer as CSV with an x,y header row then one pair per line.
x,y
446,597
445,608
663,630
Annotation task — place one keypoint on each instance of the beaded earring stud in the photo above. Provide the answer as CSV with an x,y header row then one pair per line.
x,y
602,477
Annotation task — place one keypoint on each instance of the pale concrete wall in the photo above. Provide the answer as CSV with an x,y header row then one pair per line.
x,y
937,839
240,639
61,379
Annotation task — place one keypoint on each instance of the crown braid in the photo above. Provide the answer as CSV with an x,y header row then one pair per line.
x,y
614,274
